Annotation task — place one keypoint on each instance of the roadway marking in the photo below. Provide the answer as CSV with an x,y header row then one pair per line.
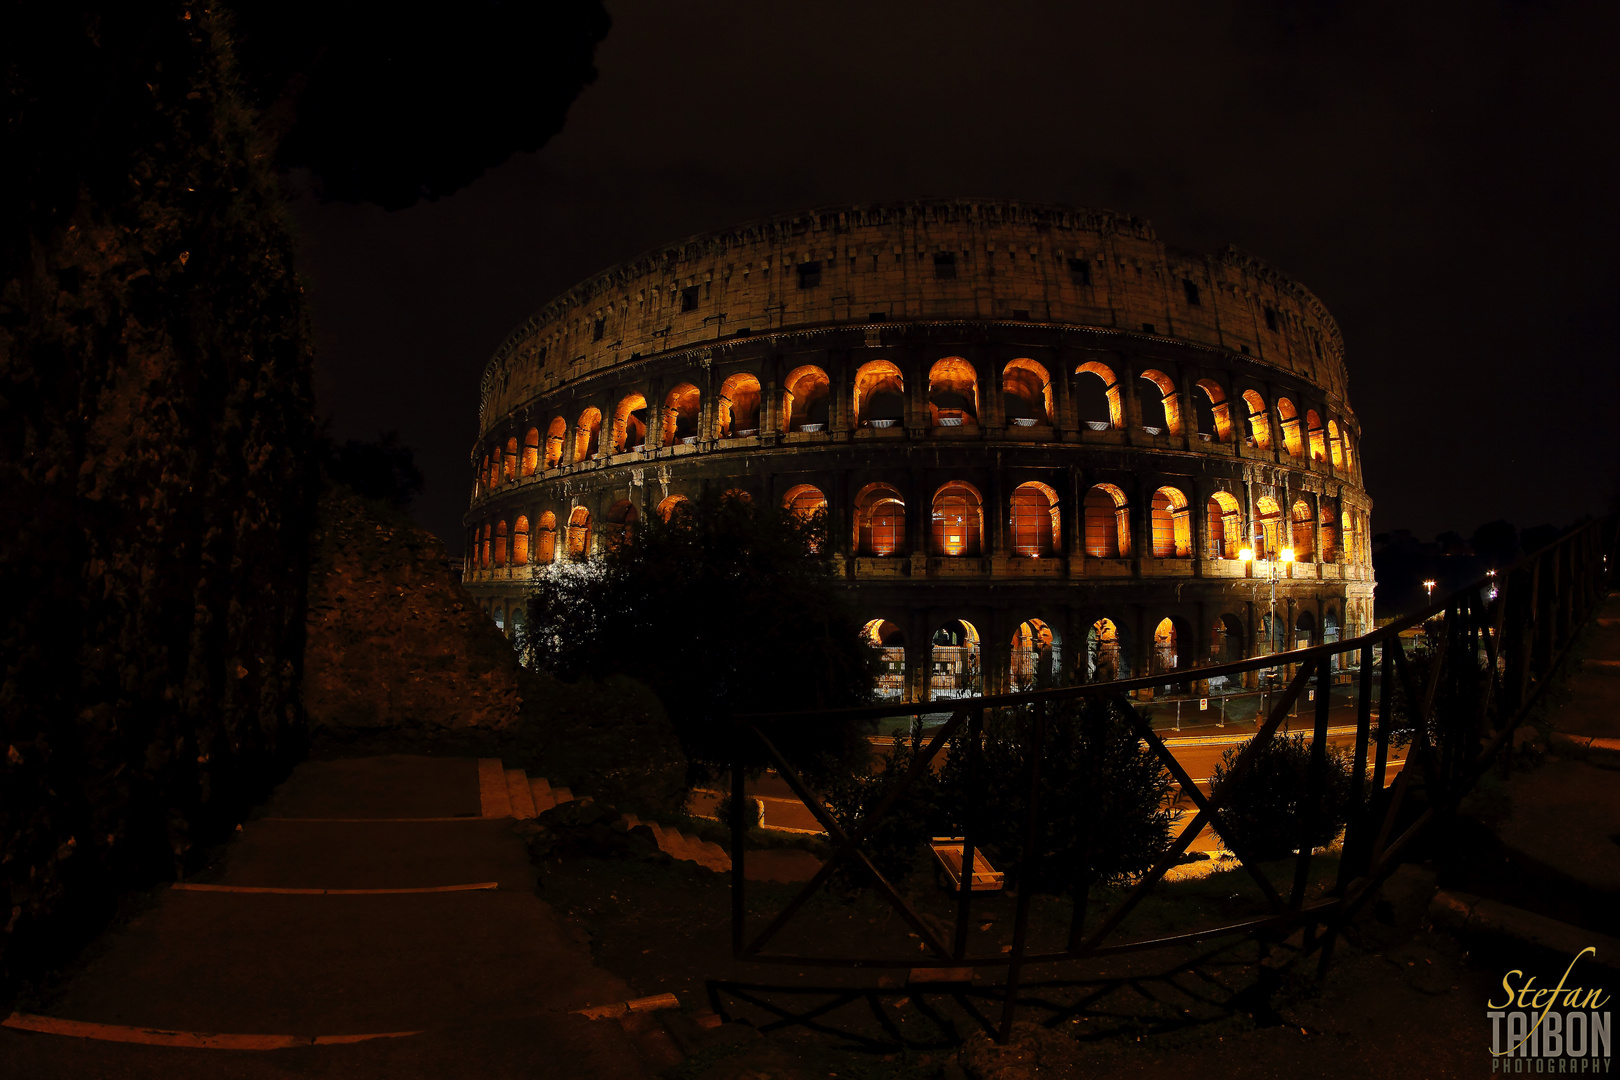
x,y
199,1040
186,886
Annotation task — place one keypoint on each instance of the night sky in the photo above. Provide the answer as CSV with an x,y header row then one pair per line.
x,y
1442,175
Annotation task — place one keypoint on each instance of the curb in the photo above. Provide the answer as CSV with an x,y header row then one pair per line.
x,y
1466,913
1604,753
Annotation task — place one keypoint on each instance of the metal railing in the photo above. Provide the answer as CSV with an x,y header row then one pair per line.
x,y
1494,659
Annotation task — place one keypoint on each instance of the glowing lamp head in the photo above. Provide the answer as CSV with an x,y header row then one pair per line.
x,y
1286,554
1246,555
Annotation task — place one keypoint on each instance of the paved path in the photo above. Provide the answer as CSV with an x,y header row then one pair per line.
x,y
443,937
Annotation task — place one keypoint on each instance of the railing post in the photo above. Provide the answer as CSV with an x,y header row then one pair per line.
x,y
975,751
1311,813
1027,870
739,835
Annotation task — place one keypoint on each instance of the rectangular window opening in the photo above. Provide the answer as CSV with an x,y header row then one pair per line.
x,y
1190,287
1271,317
1080,269
945,265
1147,328
809,275
599,330
689,298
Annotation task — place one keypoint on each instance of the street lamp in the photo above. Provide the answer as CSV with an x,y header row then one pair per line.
x,y
1429,585
1285,556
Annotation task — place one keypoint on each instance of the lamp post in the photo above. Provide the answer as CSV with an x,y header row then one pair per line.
x,y
1285,556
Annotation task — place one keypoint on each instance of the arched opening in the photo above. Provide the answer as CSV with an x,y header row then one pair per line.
x,y
958,521
1161,406
498,615
1107,522
531,451
520,542
1259,420
630,424
670,505
739,406
1304,630
1166,648
546,540
880,515
681,415
1172,532
1330,532
1035,521
588,434
1268,542
1330,636
1304,532
1335,449
955,661
1290,427
1036,656
886,636
804,501
806,405
1097,397
484,561
486,475
1349,462
1226,641
509,464
953,393
500,544
517,635
1313,428
1108,654
1214,418
1026,394
1225,525
556,433
579,533
1350,536
621,521
880,395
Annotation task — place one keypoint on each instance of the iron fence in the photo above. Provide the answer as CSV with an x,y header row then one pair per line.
x,y
1492,656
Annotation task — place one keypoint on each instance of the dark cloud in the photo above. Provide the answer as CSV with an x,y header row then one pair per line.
x,y
1441,174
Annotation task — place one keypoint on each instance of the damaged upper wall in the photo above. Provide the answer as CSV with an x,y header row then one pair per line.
x,y
918,262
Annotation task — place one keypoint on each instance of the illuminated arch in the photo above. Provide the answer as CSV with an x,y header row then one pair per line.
x,y
556,435
1313,428
1226,640
1168,398
629,428
1330,530
520,542
1167,639
804,501
588,434
1107,522
1335,449
681,415
1268,528
1026,393
958,521
509,465
546,539
1217,405
880,521
1171,529
1110,391
738,413
1108,656
1225,525
500,544
1290,428
486,545
670,505
1259,419
1304,531
953,393
531,451
579,533
1035,520
880,393
956,670
807,399
1035,654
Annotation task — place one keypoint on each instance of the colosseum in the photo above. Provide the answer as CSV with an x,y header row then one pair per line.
x,y
1049,445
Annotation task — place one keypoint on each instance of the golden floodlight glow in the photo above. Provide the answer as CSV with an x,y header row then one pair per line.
x,y
1287,554
1246,555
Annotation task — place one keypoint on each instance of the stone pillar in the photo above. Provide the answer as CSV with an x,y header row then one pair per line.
x,y
841,409
995,648
995,512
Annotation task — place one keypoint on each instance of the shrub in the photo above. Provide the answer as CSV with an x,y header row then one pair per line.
x,y
1264,799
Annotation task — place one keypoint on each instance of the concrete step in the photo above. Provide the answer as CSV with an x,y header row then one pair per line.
x,y
562,795
494,796
517,786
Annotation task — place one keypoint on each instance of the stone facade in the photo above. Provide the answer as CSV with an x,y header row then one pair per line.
x,y
1042,437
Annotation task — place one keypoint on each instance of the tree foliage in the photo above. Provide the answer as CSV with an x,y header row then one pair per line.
x,y
393,103
1266,799
726,608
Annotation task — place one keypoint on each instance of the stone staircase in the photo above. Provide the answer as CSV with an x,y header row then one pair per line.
x,y
507,792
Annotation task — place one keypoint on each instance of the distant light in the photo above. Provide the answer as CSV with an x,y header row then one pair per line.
x,y
1246,555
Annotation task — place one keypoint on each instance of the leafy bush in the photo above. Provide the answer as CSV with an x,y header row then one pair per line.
x,y
728,607
1264,799
898,842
